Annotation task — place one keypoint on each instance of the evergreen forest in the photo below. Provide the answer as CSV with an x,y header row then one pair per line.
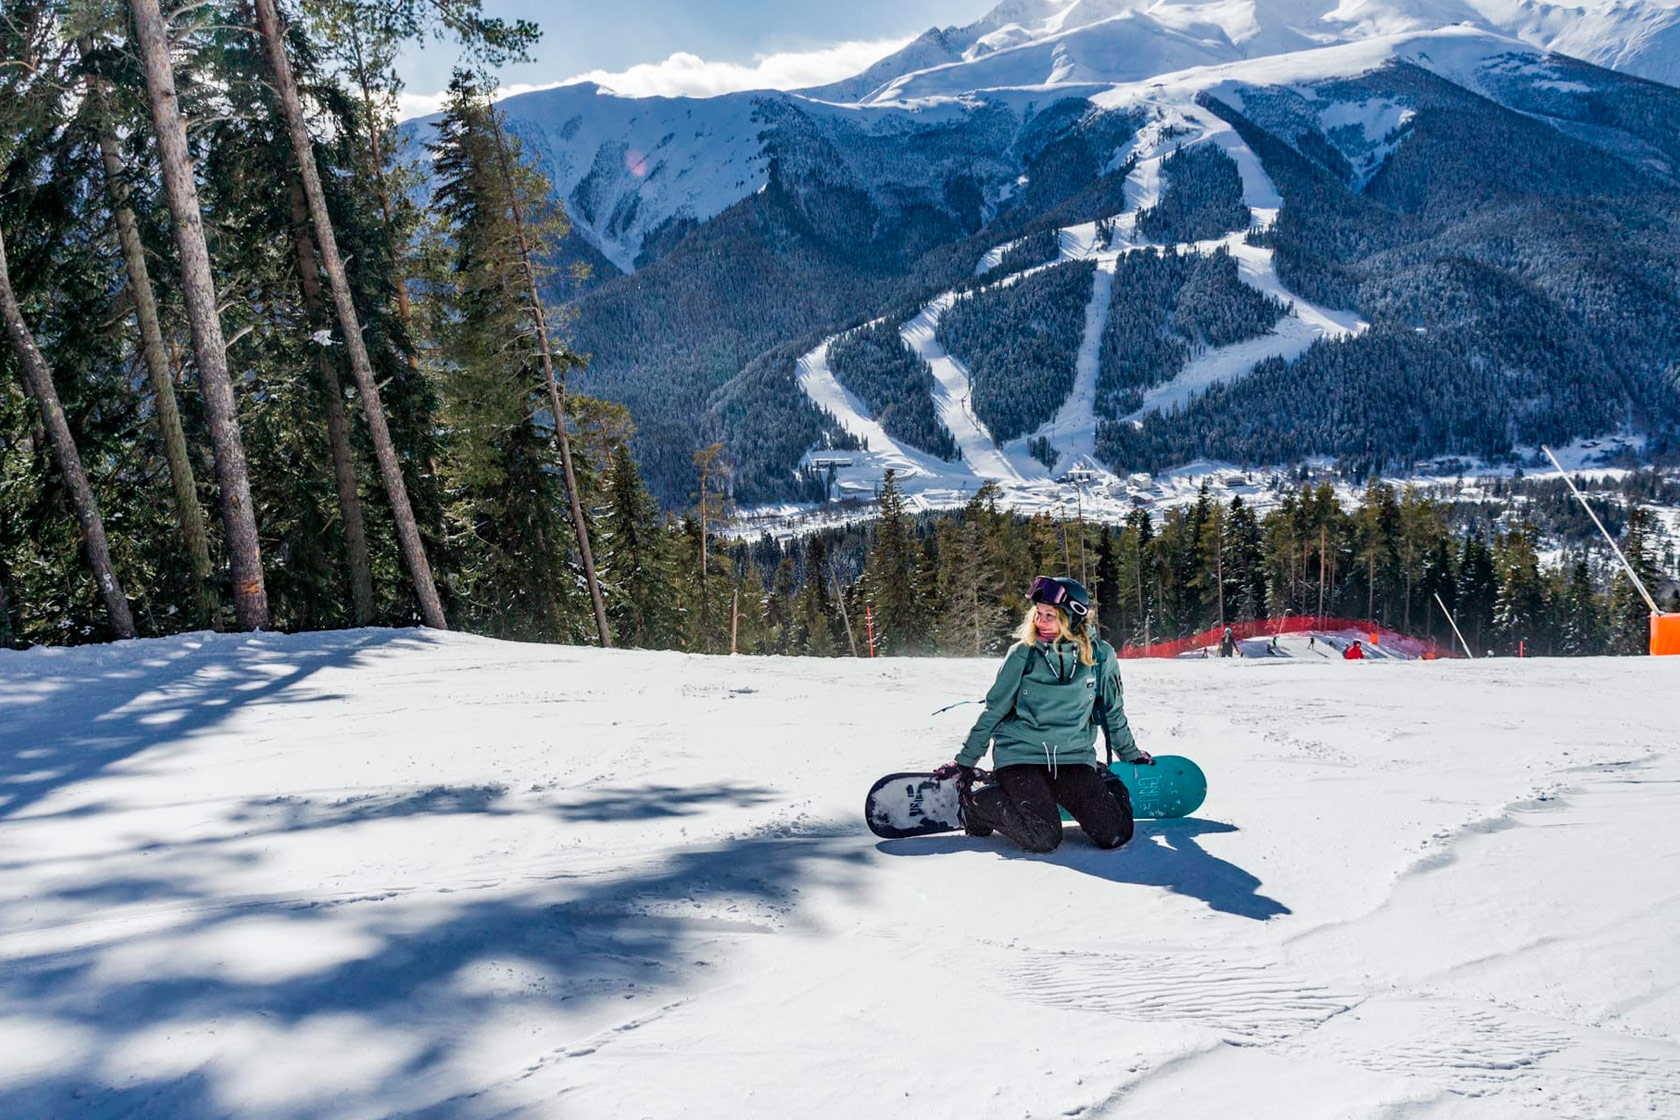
x,y
1203,198
1166,308
249,381
1019,341
893,383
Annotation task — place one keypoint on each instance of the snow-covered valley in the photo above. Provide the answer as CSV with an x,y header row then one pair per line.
x,y
379,873
1022,481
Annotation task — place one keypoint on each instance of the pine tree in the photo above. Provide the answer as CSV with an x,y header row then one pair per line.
x,y
1420,523
349,321
39,379
778,608
972,616
1583,624
814,614
1478,588
891,572
166,410
1217,582
1519,607
1245,562
1630,615
1109,593
250,596
1438,580
636,563
508,526
1139,556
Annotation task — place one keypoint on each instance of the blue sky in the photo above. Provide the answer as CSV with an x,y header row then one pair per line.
x,y
723,42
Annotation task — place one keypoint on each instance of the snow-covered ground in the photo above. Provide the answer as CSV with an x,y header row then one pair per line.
x,y
387,873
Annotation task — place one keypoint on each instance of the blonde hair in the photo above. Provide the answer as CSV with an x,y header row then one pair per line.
x,y
1027,635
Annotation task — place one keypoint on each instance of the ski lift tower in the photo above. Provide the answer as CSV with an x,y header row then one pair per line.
x,y
1081,477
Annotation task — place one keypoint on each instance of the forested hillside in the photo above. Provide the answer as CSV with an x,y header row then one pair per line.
x,y
1019,341
1514,276
828,244
897,386
1203,198
1167,306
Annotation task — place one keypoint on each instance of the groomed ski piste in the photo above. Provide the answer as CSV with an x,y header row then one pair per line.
x,y
397,873
1023,481
1174,118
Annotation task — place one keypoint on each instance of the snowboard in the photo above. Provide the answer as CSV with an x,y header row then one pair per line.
x,y
919,804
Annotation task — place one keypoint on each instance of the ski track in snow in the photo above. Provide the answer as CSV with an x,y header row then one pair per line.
x,y
382,873
931,482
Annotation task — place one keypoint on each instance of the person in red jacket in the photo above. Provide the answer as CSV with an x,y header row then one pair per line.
x,y
1355,652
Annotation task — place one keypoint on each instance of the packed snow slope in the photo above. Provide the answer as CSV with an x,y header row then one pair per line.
x,y
386,873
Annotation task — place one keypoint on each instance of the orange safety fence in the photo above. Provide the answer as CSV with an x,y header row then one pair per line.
x,y
1374,634
1665,635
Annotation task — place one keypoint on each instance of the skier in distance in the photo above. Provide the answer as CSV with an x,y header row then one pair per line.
x,y
1056,686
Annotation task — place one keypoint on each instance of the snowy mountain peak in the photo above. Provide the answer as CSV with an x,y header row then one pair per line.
x,y
1049,42
637,173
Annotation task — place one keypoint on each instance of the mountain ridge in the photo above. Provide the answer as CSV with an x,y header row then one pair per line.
x,y
1397,205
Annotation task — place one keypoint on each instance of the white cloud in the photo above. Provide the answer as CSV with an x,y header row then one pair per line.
x,y
688,75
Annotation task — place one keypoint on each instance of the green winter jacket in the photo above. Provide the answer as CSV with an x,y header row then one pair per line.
x,y
1043,709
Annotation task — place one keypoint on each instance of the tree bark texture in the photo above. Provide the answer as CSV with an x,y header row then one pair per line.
x,y
64,449
338,418
250,596
556,400
170,432
332,262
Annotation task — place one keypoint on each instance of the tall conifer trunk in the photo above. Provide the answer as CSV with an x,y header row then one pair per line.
x,y
556,400
332,263
338,418
250,597
167,412
64,449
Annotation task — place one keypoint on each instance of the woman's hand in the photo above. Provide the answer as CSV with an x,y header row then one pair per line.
x,y
967,775
1144,758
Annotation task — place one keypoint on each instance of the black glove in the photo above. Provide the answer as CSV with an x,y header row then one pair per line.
x,y
955,770
1144,758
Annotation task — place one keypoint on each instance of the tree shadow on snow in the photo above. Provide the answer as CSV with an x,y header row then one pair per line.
x,y
1161,854
66,718
652,801
421,980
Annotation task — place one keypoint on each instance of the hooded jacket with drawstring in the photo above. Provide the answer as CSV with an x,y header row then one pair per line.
x,y
1042,709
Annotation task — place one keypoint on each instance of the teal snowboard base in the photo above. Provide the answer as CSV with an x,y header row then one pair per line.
x,y
1173,787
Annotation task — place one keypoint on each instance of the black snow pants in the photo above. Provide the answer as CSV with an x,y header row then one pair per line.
x,y
1022,804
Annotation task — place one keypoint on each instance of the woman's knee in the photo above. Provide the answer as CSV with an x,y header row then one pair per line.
x,y
1038,835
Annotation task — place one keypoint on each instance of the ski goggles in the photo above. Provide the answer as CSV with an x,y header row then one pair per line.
x,y
1047,589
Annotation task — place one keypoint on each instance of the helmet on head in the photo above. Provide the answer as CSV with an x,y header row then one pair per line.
x,y
1064,593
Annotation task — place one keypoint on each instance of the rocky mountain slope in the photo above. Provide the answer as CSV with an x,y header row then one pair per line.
x,y
1503,220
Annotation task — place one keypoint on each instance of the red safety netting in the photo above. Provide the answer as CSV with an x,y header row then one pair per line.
x,y
1371,632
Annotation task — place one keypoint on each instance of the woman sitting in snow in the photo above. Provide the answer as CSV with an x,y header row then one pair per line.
x,y
1056,686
